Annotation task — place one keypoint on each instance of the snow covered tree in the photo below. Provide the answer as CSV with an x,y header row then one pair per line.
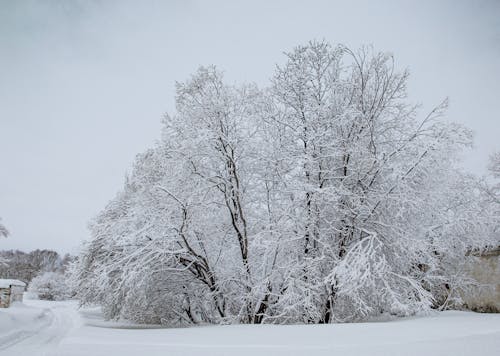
x,y
368,175
3,230
326,197
50,286
25,266
494,169
491,199
185,208
3,233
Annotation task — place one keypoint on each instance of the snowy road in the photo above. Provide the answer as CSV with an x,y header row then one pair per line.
x,y
36,328
57,329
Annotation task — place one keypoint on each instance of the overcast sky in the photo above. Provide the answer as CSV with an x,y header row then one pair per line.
x,y
83,84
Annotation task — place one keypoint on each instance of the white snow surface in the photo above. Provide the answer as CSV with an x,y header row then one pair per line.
x,y
6,283
36,327
58,329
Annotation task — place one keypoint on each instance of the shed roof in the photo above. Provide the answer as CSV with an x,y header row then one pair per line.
x,y
6,283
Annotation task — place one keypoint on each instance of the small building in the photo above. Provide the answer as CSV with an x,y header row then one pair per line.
x,y
11,290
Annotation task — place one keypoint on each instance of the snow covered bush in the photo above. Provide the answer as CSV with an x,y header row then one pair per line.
x,y
50,286
323,198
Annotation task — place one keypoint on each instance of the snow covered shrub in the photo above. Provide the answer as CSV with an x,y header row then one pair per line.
x,y
50,286
323,198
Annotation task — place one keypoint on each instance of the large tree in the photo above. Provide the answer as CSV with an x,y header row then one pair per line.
x,y
325,197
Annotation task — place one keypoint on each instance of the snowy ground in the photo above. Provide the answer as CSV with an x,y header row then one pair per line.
x,y
36,327
56,328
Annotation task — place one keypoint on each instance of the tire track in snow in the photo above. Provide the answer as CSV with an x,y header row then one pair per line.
x,y
43,339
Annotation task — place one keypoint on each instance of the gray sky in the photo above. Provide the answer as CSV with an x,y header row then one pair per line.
x,y
83,84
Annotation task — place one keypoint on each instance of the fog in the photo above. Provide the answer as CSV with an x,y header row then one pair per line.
x,y
84,84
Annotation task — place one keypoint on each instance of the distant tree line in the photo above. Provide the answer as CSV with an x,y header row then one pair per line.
x,y
27,265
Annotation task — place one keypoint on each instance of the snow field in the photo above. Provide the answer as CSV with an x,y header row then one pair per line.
x,y
448,333
57,329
